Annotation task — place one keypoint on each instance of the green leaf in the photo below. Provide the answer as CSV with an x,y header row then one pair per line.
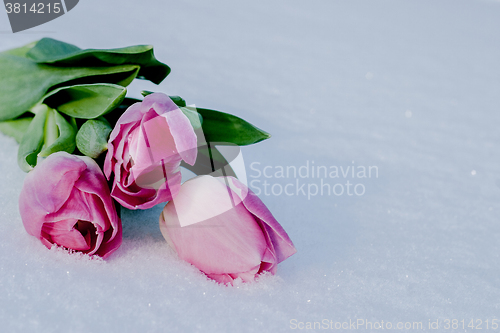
x,y
128,101
51,51
21,51
222,127
32,141
65,141
92,138
23,82
178,100
87,101
219,127
15,128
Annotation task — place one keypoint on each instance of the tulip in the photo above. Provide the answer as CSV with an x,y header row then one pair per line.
x,y
224,229
145,150
65,201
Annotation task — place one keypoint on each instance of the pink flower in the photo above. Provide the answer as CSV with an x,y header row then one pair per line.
x,y
145,150
65,200
222,228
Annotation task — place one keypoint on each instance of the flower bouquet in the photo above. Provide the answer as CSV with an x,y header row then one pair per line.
x,y
89,149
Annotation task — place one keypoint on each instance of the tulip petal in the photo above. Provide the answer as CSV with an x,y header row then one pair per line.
x,y
181,129
135,197
160,142
159,102
47,188
132,115
246,276
219,241
117,149
229,278
99,202
282,244
123,126
145,151
269,262
221,278
63,233
75,208
59,176
110,243
236,245
76,212
184,135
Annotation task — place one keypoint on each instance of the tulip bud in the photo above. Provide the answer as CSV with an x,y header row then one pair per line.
x,y
221,227
145,150
65,201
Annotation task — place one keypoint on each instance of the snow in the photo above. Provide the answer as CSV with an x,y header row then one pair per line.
x,y
411,87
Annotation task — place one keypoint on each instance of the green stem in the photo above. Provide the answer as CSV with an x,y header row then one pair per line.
x,y
39,107
51,130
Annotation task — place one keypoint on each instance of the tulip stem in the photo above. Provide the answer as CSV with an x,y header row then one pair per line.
x,y
51,130
210,156
39,108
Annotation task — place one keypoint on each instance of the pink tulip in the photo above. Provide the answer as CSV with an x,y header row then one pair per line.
x,y
224,229
145,150
65,200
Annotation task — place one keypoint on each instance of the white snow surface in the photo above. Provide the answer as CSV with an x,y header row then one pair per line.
x,y
411,87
